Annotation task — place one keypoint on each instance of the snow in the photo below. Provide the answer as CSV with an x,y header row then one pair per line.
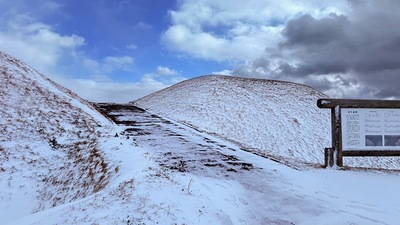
x,y
271,117
45,131
90,176
325,102
276,119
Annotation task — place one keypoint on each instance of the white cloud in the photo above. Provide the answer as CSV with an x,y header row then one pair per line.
x,y
132,47
223,72
112,91
143,26
39,45
164,75
36,43
48,51
50,5
109,91
235,30
206,45
113,63
108,64
162,70
197,14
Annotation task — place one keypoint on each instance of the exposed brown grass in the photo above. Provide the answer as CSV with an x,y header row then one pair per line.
x,y
32,112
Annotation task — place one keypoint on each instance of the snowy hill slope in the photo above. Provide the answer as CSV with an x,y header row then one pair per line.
x,y
171,174
61,162
274,118
48,143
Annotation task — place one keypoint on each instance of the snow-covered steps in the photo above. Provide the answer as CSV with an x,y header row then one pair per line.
x,y
175,146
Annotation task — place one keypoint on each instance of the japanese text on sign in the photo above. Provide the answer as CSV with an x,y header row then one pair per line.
x,y
370,129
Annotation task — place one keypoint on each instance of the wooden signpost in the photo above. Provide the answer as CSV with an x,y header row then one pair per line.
x,y
362,128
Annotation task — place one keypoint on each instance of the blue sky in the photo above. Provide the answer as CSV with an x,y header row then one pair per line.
x,y
120,50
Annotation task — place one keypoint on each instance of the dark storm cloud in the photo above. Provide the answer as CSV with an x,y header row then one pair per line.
x,y
360,49
307,30
332,45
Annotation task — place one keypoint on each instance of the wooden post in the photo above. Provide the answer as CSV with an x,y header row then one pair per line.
x,y
329,161
336,137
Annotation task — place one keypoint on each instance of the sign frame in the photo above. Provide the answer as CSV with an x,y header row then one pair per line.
x,y
334,155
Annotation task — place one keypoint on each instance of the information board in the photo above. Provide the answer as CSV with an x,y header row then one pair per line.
x,y
370,129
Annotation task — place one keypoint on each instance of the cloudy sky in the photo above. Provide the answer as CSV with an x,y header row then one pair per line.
x,y
120,50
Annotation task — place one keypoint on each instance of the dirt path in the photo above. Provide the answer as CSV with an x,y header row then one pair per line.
x,y
174,146
274,193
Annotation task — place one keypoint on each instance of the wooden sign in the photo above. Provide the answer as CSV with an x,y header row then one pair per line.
x,y
362,128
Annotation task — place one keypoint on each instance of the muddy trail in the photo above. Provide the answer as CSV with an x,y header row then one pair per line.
x,y
174,146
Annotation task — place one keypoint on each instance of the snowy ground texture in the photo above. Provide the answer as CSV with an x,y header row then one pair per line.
x,y
62,162
272,118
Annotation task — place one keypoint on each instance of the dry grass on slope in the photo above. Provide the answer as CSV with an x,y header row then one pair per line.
x,y
47,138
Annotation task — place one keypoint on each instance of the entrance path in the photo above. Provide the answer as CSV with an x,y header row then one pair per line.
x,y
270,193
175,146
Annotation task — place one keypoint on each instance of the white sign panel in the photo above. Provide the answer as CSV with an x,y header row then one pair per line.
x,y
370,129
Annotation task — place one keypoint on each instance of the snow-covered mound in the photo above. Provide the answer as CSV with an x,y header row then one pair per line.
x,y
48,143
55,150
271,118
274,118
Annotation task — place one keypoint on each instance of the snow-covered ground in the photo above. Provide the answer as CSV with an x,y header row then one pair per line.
x,y
61,162
273,117
48,143
152,190
277,119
